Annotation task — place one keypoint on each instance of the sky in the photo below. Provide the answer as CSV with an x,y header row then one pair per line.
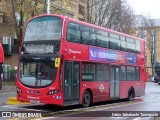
x,y
146,7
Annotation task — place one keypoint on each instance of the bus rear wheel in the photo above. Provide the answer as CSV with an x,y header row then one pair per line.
x,y
86,100
130,96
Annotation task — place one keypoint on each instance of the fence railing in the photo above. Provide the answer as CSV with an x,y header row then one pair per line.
x,y
9,76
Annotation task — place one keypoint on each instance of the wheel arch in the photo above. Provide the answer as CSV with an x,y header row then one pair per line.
x,y
131,90
91,93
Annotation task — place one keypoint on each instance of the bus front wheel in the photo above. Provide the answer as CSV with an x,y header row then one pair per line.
x,y
86,100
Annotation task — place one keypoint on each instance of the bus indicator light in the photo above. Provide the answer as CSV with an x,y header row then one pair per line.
x,y
57,62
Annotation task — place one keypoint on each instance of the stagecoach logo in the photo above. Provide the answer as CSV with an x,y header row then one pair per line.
x,y
101,88
73,51
34,98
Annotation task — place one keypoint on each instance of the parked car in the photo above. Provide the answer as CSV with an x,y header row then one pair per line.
x,y
152,79
156,79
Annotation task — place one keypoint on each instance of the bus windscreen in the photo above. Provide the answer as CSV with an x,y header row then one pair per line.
x,y
44,28
37,73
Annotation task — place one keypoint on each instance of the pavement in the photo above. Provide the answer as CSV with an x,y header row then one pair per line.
x,y
11,100
8,89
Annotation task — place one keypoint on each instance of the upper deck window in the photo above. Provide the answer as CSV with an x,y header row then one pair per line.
x,y
138,46
88,35
130,45
114,41
44,28
73,33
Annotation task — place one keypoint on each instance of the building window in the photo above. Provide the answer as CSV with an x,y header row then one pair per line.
x,y
145,38
1,17
137,33
145,32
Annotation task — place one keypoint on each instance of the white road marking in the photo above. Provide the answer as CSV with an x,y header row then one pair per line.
x,y
144,118
15,106
85,109
138,118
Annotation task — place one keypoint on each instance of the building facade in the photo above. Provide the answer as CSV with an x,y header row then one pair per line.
x,y
7,33
148,29
72,8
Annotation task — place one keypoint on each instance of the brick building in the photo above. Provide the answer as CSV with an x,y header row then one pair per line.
x,y
150,31
7,30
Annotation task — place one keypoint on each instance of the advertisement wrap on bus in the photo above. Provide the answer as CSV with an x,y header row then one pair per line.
x,y
64,62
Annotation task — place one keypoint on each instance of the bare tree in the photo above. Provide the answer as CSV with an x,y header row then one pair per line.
x,y
27,9
149,26
112,14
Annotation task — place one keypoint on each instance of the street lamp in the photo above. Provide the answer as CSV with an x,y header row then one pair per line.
x,y
152,50
48,6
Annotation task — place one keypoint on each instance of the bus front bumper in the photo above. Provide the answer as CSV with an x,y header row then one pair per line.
x,y
46,99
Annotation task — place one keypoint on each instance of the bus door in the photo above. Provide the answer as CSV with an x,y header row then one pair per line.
x,y
71,82
114,82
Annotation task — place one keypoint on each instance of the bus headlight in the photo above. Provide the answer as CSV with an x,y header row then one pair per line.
x,y
19,90
52,92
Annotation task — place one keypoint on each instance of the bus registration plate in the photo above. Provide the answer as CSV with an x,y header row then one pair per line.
x,y
35,101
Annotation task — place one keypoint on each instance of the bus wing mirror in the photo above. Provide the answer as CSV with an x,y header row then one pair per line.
x,y
57,62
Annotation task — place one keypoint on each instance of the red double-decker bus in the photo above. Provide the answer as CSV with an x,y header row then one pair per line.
x,y
64,61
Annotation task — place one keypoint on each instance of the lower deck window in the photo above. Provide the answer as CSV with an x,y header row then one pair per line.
x,y
130,73
102,72
88,71
95,71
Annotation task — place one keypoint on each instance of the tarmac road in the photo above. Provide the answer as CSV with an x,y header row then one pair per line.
x,y
148,102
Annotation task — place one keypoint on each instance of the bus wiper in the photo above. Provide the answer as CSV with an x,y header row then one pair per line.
x,y
35,58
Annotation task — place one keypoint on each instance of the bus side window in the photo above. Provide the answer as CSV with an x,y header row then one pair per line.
x,y
123,43
114,41
92,36
102,39
73,33
137,50
130,45
85,37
